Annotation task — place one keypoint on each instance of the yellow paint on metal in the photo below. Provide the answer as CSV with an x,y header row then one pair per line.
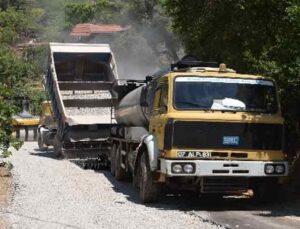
x,y
46,108
25,122
158,120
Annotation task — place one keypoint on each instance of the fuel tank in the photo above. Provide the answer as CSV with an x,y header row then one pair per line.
x,y
131,110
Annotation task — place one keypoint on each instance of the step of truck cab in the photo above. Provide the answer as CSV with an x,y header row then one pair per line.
x,y
84,85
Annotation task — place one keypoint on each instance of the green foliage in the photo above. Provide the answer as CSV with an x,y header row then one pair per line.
x,y
14,73
17,25
15,143
79,13
38,57
17,4
251,36
107,11
100,11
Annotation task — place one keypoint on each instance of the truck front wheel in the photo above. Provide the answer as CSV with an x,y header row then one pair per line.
x,y
266,191
149,190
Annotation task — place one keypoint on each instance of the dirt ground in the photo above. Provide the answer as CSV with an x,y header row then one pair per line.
x,y
5,188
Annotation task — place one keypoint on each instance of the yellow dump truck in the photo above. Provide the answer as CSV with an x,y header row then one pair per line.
x,y
203,128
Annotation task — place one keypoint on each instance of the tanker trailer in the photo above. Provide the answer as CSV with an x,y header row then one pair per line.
x,y
204,129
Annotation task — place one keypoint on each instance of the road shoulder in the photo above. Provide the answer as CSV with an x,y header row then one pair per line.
x,y
5,190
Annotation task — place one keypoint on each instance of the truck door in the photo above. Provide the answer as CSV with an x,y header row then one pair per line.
x,y
158,117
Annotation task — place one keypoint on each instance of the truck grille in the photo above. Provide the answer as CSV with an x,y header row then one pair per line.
x,y
208,135
224,184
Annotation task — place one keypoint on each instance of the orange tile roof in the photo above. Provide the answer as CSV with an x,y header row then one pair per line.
x,y
86,29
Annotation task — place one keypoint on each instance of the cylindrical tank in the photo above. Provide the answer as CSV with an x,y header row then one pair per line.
x,y
130,111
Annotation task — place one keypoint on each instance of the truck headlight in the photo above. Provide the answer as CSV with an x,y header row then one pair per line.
x,y
188,168
275,168
183,168
269,169
176,168
279,169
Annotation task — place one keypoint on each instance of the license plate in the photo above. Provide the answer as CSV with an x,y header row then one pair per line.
x,y
189,154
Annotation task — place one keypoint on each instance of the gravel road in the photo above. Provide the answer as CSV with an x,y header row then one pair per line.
x,y
52,193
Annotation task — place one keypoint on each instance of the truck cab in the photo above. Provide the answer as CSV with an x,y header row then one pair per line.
x,y
218,130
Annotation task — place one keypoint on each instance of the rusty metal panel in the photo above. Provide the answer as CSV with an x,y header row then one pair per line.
x,y
89,102
81,86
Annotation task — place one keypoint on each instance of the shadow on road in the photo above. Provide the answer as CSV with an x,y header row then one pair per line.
x,y
187,201
45,153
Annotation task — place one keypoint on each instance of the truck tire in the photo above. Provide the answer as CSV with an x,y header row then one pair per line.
x,y
57,146
149,190
136,177
120,173
41,144
113,159
266,192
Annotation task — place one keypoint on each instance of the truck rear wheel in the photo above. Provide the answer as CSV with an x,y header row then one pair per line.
x,y
57,146
41,144
149,190
113,159
120,173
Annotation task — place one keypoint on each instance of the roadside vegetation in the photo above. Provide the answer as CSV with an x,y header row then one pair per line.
x,y
18,23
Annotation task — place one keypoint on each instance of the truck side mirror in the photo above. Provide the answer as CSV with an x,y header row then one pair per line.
x,y
149,79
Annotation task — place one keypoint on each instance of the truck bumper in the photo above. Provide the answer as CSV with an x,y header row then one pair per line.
x,y
234,168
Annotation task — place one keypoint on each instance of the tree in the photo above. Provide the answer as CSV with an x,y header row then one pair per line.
x,y
100,11
260,36
18,23
79,13
14,73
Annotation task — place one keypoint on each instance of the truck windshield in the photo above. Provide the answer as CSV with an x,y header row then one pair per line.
x,y
226,94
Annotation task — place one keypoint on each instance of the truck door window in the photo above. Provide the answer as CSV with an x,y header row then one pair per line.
x,y
161,99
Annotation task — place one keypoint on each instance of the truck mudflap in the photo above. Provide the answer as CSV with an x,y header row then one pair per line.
x,y
150,142
219,168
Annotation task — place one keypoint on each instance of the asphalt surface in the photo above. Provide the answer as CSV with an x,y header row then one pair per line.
x,y
53,193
